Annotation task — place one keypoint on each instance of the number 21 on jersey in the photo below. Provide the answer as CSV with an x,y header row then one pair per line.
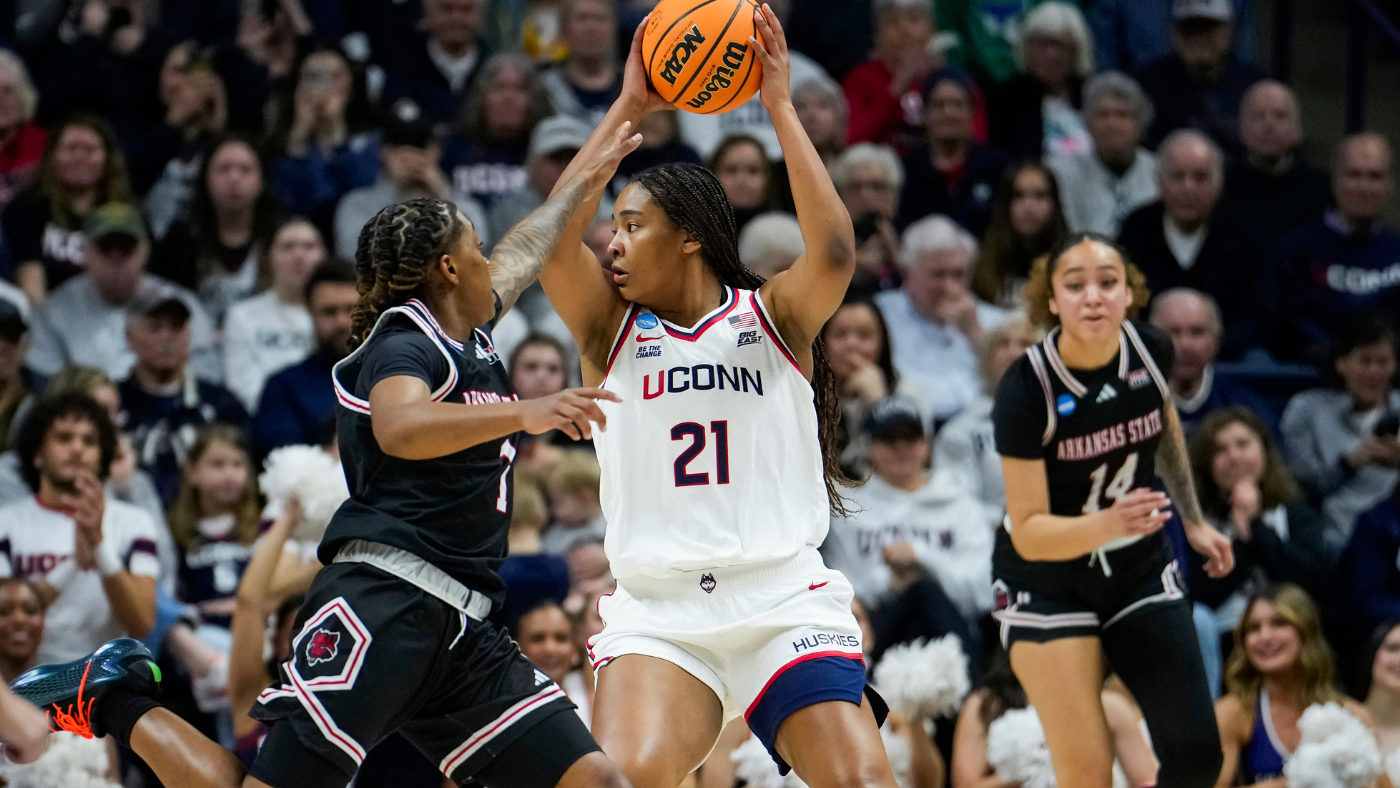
x,y
695,433
1122,482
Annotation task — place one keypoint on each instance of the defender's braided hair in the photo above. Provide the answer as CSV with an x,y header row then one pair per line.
x,y
396,249
693,198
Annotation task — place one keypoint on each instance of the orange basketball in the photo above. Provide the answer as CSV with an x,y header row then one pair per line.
x,y
698,55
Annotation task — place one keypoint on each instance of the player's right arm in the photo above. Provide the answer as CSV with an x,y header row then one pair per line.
x,y
578,288
409,425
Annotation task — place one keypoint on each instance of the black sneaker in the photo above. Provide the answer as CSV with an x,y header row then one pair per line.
x,y
67,691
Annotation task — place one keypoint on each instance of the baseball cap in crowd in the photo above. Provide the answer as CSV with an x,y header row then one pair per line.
x,y
405,126
159,302
115,222
1217,10
558,133
13,322
894,418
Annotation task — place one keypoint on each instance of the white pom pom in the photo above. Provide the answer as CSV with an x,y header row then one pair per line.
x,y
900,755
924,680
70,761
1016,749
1392,766
1336,750
314,478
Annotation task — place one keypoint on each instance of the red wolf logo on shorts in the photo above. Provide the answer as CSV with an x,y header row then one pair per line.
x,y
323,647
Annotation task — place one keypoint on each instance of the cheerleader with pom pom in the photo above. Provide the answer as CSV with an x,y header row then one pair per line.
x,y
1379,685
1280,666
999,742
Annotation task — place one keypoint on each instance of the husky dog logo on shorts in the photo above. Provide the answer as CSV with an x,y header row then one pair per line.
x,y
324,646
707,583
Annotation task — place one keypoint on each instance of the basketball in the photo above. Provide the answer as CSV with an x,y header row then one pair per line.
x,y
698,54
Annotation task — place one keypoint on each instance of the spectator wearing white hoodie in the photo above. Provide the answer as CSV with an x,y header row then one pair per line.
x,y
905,528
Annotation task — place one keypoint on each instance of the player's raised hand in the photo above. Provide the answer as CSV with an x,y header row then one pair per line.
x,y
571,411
1139,512
636,87
602,163
770,46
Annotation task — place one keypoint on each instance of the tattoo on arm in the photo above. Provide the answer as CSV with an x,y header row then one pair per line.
x,y
520,255
1174,467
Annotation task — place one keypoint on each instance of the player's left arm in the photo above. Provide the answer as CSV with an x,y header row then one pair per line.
x,y
1174,468
805,296
517,260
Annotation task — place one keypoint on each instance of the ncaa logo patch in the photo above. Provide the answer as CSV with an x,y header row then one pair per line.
x,y
324,646
707,583
331,648
1065,405
647,320
484,349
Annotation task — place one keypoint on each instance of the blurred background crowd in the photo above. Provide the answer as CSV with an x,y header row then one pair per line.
x,y
182,186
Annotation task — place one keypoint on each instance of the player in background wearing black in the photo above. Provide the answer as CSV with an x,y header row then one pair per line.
x,y
1085,426
393,633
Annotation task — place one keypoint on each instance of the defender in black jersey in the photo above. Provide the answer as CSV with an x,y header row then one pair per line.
x,y
1085,425
393,634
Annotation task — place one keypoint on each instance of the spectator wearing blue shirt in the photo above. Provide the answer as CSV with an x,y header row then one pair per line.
x,y
1368,576
1129,34
1200,84
297,402
324,156
163,403
1192,320
486,157
1346,263
436,69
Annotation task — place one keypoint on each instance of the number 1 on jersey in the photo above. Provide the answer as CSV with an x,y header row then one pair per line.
x,y
1122,482
696,433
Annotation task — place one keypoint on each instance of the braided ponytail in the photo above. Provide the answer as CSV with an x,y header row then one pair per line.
x,y
693,198
396,249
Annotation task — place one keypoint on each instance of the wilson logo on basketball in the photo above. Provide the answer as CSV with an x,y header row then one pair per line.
x,y
680,55
733,58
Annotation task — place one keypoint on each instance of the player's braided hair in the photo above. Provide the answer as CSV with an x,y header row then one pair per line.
x,y
396,249
693,198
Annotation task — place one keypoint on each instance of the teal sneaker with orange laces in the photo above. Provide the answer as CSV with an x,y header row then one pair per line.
x,y
67,691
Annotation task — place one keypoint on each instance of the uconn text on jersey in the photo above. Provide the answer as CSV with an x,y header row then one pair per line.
x,y
703,377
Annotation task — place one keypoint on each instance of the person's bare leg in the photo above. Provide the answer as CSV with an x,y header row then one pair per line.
x,y
1063,679
654,720
181,755
835,744
593,770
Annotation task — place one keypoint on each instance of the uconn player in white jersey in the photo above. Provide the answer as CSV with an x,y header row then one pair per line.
x,y
718,467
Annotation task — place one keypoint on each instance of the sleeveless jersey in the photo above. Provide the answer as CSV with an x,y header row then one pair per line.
x,y
1096,430
712,457
451,511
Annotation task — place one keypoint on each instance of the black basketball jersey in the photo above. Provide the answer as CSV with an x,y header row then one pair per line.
x,y
1096,430
452,511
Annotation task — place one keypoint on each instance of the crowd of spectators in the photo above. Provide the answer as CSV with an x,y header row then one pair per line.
x,y
182,187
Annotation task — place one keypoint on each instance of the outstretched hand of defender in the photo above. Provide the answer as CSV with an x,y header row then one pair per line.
x,y
1215,546
636,88
571,411
602,165
772,52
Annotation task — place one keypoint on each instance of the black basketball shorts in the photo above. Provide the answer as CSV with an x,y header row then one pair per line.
x,y
1041,601
375,654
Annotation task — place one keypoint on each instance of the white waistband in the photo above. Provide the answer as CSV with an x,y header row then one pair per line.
x,y
723,580
414,570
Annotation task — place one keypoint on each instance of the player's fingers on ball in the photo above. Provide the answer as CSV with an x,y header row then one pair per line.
x,y
776,24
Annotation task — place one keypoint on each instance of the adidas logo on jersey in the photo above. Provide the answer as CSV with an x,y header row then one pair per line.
x,y
540,677
749,338
1105,394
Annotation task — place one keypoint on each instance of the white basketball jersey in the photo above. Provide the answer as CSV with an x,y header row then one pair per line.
x,y
712,457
